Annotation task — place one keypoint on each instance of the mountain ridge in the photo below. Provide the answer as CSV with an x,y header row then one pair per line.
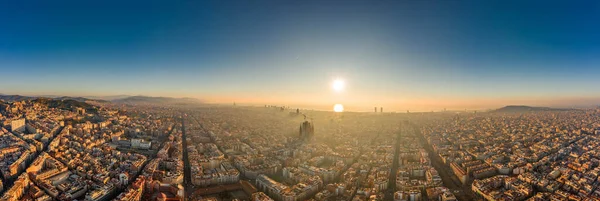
x,y
156,100
525,108
123,99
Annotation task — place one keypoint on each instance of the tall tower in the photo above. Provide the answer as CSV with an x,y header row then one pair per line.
x,y
307,130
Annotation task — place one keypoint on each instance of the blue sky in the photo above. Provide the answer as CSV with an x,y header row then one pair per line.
x,y
284,51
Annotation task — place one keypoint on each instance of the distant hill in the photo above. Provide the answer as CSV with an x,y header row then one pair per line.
x,y
107,98
63,104
80,99
14,98
523,108
144,100
122,99
66,104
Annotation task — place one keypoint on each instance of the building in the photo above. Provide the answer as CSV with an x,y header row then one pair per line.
x,y
123,179
17,191
448,196
101,194
271,187
459,172
78,110
18,125
260,196
140,144
307,130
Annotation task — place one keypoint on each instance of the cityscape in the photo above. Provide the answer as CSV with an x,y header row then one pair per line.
x,y
263,100
64,149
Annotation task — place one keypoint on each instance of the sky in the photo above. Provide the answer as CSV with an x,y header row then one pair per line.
x,y
400,54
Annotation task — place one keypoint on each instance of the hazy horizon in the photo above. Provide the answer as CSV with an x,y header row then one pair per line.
x,y
423,106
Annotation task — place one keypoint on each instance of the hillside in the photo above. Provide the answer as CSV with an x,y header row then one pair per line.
x,y
144,100
14,98
523,108
80,99
107,98
63,104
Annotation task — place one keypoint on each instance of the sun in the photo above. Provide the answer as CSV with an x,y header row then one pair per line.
x,y
338,108
338,85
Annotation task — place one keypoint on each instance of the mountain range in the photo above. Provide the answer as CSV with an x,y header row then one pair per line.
x,y
120,99
156,100
524,108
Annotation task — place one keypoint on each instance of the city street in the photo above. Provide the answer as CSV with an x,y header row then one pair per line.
x,y
187,181
462,192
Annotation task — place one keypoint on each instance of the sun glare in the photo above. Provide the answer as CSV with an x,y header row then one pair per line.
x,y
338,108
338,85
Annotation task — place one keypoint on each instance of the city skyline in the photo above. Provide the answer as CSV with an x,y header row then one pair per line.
x,y
401,55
